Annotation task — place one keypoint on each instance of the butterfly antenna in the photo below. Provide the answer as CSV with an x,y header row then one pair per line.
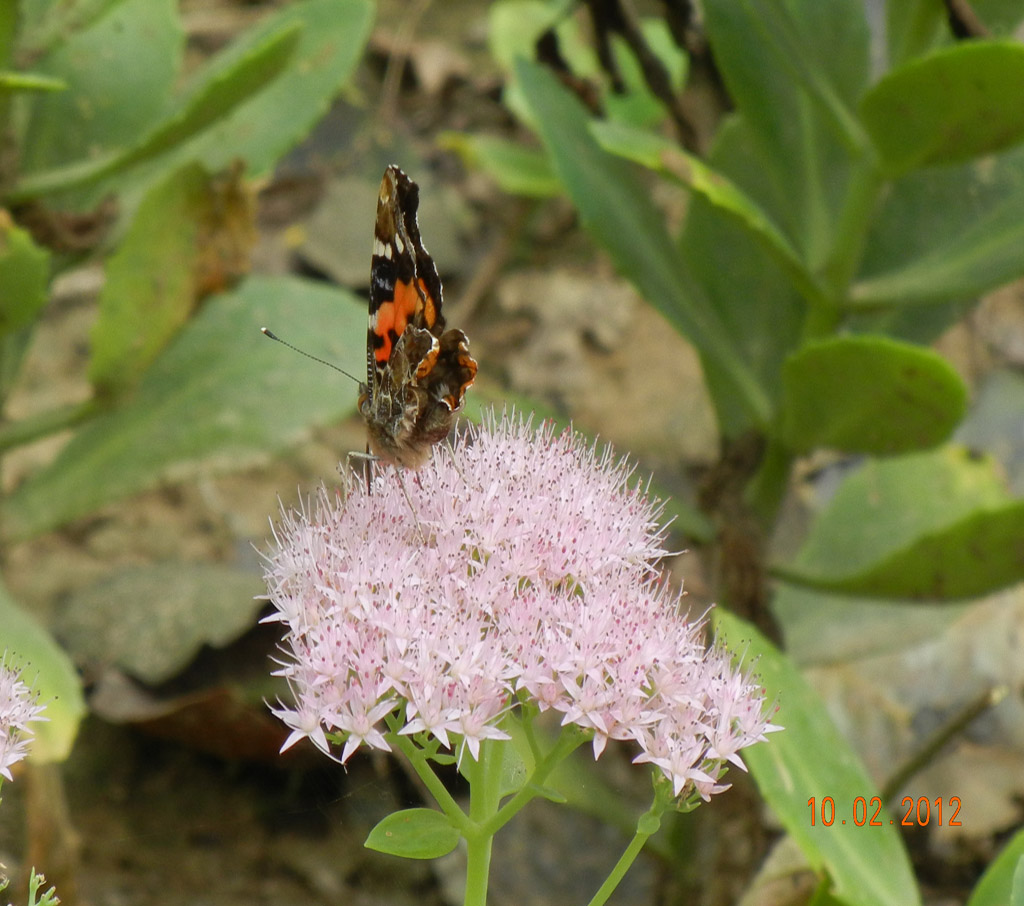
x,y
273,336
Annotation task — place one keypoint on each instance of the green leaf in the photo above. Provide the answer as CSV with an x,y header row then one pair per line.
x,y
414,833
937,208
648,824
220,397
749,61
636,103
794,71
867,394
24,275
928,491
151,621
976,556
42,24
1003,880
913,27
263,128
149,292
46,669
752,293
514,27
984,256
614,206
13,347
658,35
233,120
227,81
954,104
657,153
830,80
933,526
516,169
104,108
810,759
830,630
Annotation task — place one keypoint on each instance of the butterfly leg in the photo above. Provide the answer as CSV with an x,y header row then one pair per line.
x,y
367,459
454,458
408,500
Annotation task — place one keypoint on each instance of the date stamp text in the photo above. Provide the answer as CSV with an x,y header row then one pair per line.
x,y
864,812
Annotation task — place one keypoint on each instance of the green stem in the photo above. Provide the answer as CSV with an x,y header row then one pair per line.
x,y
8,34
619,871
484,774
531,736
64,178
478,869
648,825
485,793
767,488
570,739
421,765
865,185
927,754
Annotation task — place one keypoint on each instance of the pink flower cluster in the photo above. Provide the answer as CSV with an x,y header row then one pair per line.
x,y
520,565
18,709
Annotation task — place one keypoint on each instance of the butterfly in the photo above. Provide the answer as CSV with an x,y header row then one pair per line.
x,y
417,373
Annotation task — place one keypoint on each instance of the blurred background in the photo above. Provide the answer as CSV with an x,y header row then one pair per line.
x,y
769,251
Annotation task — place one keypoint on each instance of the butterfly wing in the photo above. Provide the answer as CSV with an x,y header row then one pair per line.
x,y
417,373
404,286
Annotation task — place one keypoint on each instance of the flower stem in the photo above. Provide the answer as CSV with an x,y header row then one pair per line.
x,y
421,766
620,869
478,868
569,740
484,777
648,825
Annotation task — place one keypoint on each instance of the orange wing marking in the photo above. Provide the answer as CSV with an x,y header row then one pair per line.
x,y
391,319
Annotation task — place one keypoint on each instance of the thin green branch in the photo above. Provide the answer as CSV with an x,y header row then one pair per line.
x,y
8,32
952,728
862,194
626,860
568,742
647,825
421,765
